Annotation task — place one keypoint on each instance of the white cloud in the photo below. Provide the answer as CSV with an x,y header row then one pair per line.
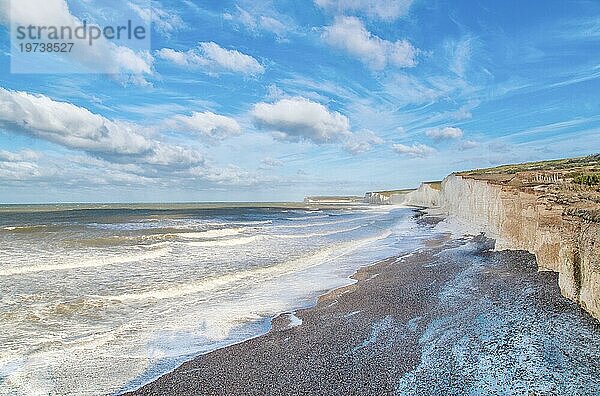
x,y
351,35
274,92
89,171
21,156
407,89
27,167
172,156
362,142
461,56
163,21
298,119
380,9
209,125
273,25
212,58
229,175
468,145
259,23
444,133
416,150
103,55
190,58
18,166
464,112
19,171
77,128
231,59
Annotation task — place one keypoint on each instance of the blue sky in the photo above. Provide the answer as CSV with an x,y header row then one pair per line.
x,y
275,100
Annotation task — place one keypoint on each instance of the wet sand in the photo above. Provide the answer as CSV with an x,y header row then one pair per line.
x,y
453,318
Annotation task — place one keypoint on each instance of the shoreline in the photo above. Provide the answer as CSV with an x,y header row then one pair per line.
x,y
367,337
276,322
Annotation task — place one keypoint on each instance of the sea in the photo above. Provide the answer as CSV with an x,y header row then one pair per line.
x,y
101,299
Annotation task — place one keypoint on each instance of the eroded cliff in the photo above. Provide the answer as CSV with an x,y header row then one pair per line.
x,y
427,195
543,210
561,240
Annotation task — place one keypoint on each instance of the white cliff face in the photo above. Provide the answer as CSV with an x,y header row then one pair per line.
x,y
384,198
423,196
376,198
522,220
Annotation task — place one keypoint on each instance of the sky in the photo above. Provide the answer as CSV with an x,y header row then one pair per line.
x,y
240,100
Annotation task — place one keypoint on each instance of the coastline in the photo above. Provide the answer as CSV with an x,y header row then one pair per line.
x,y
373,336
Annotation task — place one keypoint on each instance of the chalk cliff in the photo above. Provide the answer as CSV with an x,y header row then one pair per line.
x,y
525,220
427,195
542,212
392,197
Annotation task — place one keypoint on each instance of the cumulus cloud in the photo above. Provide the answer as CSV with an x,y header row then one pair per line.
x,y
381,9
104,55
416,150
296,119
211,126
77,128
350,34
213,58
444,133
28,168
172,156
113,152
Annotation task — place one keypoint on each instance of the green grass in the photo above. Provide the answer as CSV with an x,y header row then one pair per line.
x,y
389,193
592,179
436,185
592,161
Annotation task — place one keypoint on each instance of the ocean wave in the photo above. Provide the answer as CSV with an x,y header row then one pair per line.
x,y
26,228
134,226
307,217
211,233
314,234
314,259
244,240
251,222
91,263
325,223
163,235
123,240
225,243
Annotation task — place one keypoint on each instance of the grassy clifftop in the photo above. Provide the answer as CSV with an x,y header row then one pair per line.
x,y
589,164
573,182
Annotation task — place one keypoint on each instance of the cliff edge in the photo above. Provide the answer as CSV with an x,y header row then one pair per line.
x,y
550,209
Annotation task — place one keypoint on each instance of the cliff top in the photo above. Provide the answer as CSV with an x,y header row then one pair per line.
x,y
574,183
590,163
389,193
333,198
436,185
